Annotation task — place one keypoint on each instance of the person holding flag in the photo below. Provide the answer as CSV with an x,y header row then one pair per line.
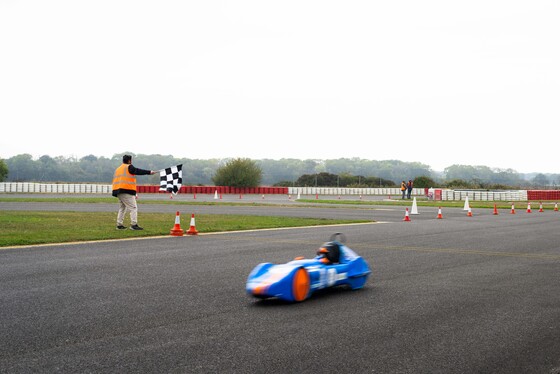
x,y
124,188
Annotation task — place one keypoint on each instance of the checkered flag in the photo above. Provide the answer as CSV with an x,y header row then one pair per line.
x,y
170,179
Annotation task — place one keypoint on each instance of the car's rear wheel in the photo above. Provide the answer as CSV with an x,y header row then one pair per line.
x,y
301,284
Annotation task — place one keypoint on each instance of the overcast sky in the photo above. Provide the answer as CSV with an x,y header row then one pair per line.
x,y
437,82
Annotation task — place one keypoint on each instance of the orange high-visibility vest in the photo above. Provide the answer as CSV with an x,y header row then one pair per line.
x,y
123,179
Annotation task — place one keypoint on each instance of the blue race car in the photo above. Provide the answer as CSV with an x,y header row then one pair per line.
x,y
334,265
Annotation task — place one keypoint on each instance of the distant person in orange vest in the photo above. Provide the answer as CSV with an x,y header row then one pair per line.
x,y
409,188
403,188
124,188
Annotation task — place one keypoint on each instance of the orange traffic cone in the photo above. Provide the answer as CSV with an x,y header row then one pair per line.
x,y
406,216
529,207
555,207
540,207
469,213
192,229
495,210
439,216
512,209
176,230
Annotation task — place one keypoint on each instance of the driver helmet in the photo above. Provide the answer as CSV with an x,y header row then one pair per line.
x,y
329,253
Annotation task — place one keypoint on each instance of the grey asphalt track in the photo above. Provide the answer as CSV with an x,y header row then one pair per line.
x,y
454,295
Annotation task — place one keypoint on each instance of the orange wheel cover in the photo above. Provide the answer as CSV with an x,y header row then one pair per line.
x,y
301,285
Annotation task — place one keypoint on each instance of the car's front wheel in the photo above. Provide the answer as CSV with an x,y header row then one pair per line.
x,y
301,284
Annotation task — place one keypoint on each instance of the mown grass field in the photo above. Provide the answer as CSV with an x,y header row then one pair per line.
x,y
27,228
41,227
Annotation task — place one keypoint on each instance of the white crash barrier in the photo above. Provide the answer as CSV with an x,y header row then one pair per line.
x,y
452,195
83,188
393,193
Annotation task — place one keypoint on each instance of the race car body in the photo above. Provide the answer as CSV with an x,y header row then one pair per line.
x,y
298,279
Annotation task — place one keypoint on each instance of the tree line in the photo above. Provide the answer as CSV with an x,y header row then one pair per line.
x,y
342,172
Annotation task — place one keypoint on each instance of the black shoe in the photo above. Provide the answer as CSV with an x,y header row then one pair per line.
x,y
136,227
121,227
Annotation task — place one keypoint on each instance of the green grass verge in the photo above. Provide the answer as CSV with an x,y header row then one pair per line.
x,y
448,204
109,200
304,202
27,228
